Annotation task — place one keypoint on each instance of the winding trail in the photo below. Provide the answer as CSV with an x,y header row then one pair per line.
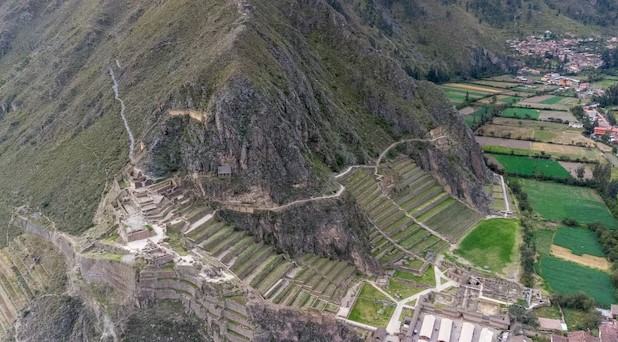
x,y
122,109
342,188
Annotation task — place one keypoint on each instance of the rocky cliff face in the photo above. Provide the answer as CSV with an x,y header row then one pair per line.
x,y
333,228
288,325
57,318
298,103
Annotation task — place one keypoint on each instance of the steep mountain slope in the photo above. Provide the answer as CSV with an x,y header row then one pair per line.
x,y
287,90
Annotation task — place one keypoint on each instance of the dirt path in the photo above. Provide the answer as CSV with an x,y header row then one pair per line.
x,y
586,259
122,115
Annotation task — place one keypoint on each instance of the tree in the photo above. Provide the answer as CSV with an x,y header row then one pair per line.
x,y
580,171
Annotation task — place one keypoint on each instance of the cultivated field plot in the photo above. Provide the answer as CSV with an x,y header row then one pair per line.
x,y
520,113
491,245
512,99
551,115
372,307
527,166
475,88
508,143
467,110
579,240
542,132
574,152
550,102
556,202
565,277
572,168
496,84
457,95
584,260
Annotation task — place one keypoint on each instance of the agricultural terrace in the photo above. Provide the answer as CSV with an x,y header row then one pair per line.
x,y
550,101
496,84
565,277
526,166
491,245
372,307
554,100
392,222
418,193
521,113
579,240
557,202
475,116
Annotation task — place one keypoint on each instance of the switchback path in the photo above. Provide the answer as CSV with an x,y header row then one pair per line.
x,y
342,188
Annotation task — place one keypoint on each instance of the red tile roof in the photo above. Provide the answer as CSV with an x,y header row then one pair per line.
x,y
581,336
608,331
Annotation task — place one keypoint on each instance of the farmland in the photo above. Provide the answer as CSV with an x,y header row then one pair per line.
x,y
532,166
554,100
579,240
565,277
372,307
527,148
521,113
492,244
539,131
556,202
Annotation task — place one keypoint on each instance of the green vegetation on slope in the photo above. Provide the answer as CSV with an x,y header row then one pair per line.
x,y
491,244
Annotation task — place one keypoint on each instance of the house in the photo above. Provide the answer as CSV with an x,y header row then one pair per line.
x,y
224,171
581,336
608,331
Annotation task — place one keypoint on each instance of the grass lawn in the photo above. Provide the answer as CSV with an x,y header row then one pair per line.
x,y
576,319
579,240
406,313
543,238
517,165
565,277
403,288
429,278
556,202
366,308
521,113
548,312
552,100
492,243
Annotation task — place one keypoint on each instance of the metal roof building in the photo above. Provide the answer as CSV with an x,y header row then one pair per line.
x,y
467,331
427,327
486,335
446,327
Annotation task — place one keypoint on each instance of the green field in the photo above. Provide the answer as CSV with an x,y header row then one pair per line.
x,y
492,244
566,277
532,166
369,303
543,239
429,278
579,240
511,99
521,113
553,100
557,202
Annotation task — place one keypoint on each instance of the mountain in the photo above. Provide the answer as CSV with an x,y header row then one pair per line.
x,y
286,93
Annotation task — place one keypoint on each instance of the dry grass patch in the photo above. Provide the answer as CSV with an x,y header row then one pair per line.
x,y
585,259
